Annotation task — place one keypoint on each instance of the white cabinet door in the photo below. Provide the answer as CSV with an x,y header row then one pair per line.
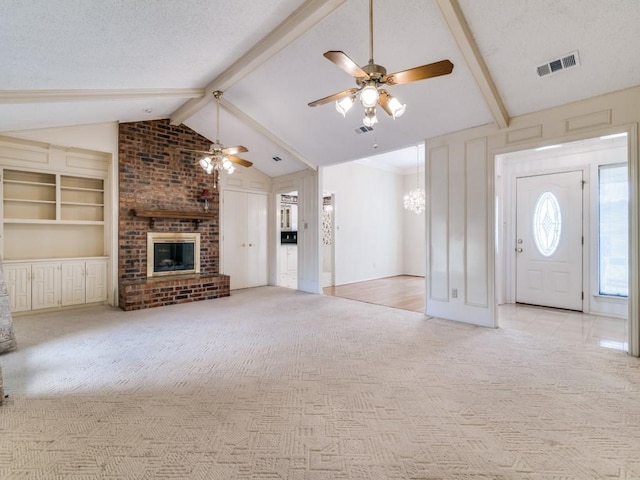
x,y
84,282
37,285
292,260
73,283
45,285
18,278
245,239
96,281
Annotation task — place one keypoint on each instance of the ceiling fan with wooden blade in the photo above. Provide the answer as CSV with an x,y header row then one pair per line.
x,y
370,77
220,158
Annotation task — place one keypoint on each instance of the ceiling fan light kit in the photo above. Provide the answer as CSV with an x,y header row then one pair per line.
x,y
344,105
371,77
220,158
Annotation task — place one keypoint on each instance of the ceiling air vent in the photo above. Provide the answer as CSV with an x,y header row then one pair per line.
x,y
557,65
363,129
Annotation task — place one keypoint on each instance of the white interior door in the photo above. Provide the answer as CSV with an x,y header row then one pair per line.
x,y
245,239
549,240
257,240
235,238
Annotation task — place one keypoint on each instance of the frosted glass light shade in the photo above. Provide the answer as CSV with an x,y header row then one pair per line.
x,y
369,96
344,105
205,162
397,108
370,118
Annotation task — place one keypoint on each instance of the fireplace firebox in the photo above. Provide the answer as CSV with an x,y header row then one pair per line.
x,y
172,253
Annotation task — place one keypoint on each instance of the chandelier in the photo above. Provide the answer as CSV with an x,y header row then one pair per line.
x,y
414,201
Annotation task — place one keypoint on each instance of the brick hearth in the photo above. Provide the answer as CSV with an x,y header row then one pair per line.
x,y
155,173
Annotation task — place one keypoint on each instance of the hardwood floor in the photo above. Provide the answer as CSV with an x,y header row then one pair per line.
x,y
403,291
407,293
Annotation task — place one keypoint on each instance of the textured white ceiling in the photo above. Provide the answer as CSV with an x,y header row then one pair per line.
x,y
128,44
515,36
164,44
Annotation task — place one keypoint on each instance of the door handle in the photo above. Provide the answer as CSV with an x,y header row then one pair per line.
x,y
519,250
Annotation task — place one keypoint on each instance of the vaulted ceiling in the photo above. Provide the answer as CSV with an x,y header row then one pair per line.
x,y
70,62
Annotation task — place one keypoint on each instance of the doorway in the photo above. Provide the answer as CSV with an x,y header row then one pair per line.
x,y
287,251
549,240
328,245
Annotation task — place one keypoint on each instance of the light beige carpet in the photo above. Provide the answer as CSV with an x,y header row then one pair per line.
x,y
276,384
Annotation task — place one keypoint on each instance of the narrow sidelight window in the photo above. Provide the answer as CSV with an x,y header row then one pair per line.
x,y
613,230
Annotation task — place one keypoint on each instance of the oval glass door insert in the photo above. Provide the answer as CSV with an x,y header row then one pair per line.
x,y
547,224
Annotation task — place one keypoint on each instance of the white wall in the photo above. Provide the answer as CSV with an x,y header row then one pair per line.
x,y
369,221
101,137
413,246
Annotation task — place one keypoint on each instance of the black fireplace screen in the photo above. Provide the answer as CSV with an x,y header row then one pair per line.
x,y
172,257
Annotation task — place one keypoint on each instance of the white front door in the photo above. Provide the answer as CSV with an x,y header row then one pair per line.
x,y
549,240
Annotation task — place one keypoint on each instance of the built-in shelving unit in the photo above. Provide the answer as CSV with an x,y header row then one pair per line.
x,y
55,224
29,196
81,199
48,215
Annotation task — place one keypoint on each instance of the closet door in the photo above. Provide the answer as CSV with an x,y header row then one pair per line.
x,y
257,274
235,238
244,242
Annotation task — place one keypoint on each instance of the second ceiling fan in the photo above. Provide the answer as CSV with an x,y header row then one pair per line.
x,y
371,77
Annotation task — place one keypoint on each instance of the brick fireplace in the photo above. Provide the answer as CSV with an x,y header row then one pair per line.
x,y
160,186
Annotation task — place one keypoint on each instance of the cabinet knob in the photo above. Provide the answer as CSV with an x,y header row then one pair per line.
x,y
251,244
244,245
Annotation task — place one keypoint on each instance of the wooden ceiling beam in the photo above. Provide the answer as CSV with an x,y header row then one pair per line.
x,y
298,23
460,30
78,95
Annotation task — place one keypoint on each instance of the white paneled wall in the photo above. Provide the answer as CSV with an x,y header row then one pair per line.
x,y
476,224
458,234
438,179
